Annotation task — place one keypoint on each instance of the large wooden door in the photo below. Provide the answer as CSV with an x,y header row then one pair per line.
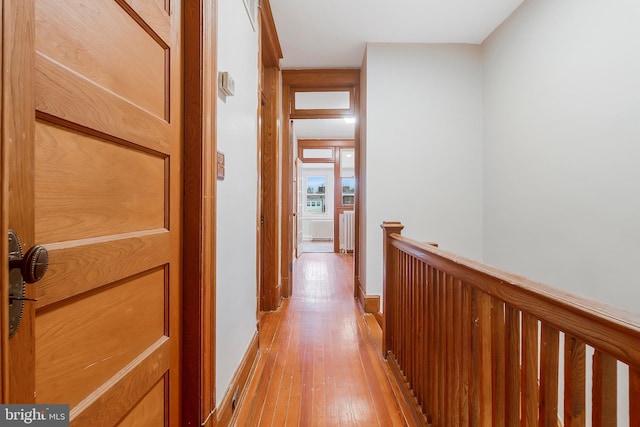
x,y
97,181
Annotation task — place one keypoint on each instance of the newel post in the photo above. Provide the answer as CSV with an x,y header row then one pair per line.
x,y
388,284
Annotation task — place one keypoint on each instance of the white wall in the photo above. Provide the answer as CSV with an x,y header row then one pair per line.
x,y
361,196
237,194
423,148
562,147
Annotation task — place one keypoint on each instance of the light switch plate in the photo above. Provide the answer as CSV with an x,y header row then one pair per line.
x,y
226,83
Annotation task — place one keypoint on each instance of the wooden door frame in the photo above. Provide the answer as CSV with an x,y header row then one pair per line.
x,y
304,81
336,145
199,213
270,283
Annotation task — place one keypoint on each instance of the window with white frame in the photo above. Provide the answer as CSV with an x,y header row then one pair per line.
x,y
315,195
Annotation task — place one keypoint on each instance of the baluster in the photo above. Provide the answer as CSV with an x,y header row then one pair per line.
x,y
465,360
411,352
442,363
431,333
474,361
407,317
398,307
425,349
456,335
438,399
529,396
634,397
498,345
486,360
605,390
449,353
549,377
574,382
420,312
401,313
512,369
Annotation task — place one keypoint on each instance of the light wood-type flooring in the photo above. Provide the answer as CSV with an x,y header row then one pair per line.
x,y
321,362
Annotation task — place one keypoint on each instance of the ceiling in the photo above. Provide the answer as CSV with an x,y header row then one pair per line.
x,y
333,33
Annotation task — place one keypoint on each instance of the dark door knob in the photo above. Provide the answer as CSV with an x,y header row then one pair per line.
x,y
28,268
33,265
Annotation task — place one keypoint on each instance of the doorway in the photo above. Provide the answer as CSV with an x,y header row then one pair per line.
x,y
325,192
313,99
316,216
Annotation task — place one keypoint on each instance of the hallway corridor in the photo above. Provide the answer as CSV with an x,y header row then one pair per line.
x,y
321,362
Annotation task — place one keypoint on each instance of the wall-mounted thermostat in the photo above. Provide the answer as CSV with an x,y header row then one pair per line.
x,y
225,83
220,166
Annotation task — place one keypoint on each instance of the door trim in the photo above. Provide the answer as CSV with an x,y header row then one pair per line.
x,y
199,212
270,282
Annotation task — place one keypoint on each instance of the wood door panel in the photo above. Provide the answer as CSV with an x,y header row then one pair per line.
x,y
82,344
154,14
80,266
78,178
66,98
95,174
113,401
149,411
99,40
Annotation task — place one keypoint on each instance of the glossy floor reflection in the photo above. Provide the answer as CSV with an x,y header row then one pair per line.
x,y
321,361
316,246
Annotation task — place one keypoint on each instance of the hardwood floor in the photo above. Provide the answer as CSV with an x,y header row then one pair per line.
x,y
313,246
321,362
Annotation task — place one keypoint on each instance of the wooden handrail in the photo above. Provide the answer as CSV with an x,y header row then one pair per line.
x,y
475,345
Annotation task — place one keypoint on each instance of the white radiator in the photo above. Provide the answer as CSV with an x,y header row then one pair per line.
x,y
347,231
317,229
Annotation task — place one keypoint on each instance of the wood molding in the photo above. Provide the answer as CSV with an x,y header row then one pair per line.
x,y
380,319
272,52
199,213
239,382
361,138
369,303
321,78
270,279
359,293
334,144
411,403
321,143
269,146
372,303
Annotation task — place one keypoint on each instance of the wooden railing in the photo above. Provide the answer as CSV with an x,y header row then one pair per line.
x,y
474,346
